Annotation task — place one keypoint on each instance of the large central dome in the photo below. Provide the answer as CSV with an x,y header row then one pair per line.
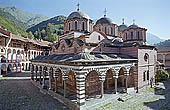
x,y
104,20
78,14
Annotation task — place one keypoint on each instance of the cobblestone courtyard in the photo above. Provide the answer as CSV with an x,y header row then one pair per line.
x,y
21,94
157,98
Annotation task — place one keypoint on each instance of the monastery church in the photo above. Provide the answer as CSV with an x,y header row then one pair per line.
x,y
93,59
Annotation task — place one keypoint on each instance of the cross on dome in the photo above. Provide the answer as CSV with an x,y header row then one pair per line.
x,y
78,7
105,12
133,21
123,21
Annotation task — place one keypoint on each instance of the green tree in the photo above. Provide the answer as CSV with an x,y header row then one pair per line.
x,y
39,34
161,75
30,35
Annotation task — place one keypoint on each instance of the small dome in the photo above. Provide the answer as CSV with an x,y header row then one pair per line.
x,y
122,27
134,26
104,20
78,14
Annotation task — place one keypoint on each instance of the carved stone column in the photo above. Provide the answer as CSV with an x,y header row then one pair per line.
x,y
116,84
80,86
49,74
55,75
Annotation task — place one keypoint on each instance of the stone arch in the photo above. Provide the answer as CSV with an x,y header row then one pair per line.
x,y
92,84
59,78
3,59
19,67
109,80
3,69
9,55
9,69
14,51
14,67
71,81
131,77
121,77
23,66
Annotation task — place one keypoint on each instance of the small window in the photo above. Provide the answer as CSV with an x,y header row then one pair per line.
x,y
98,37
148,75
126,37
143,76
105,30
69,26
131,35
83,26
138,35
111,30
75,25
146,57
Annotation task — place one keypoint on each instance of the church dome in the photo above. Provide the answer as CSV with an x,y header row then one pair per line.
x,y
122,27
104,20
133,26
78,14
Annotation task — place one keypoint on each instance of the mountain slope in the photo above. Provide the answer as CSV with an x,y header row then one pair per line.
x,y
12,19
11,27
165,43
28,19
153,39
57,21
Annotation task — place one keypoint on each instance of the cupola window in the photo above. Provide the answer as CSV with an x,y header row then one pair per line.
x,y
111,30
75,25
69,26
83,26
131,35
105,30
138,35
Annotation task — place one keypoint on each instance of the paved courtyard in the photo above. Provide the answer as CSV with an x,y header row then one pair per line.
x,y
157,98
18,93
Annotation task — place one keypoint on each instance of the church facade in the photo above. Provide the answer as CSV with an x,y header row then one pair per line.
x,y
92,59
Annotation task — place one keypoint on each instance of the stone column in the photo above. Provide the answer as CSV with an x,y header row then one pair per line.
x,y
41,73
64,87
115,85
80,86
126,85
102,89
43,84
55,78
49,74
36,72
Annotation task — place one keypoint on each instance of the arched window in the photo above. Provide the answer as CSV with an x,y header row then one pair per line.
x,y
105,30
75,25
98,37
83,26
146,57
126,36
111,29
144,76
131,35
69,26
148,75
138,35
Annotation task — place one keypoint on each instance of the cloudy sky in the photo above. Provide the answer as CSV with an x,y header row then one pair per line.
x,y
151,14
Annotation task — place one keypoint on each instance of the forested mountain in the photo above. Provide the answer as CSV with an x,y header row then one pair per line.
x,y
12,19
49,29
57,22
27,18
11,27
165,43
